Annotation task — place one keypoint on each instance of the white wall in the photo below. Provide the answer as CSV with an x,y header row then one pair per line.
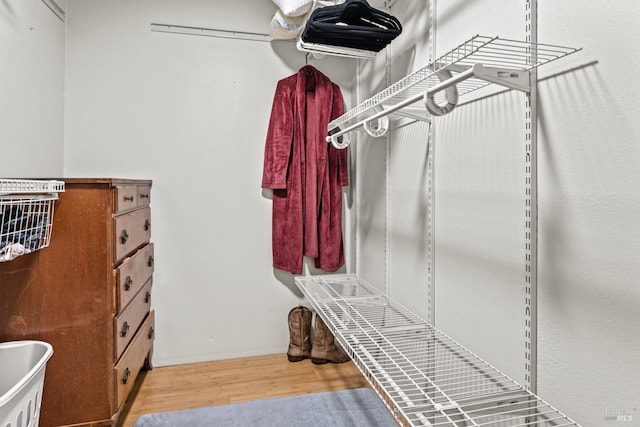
x,y
472,200
392,189
191,113
480,200
588,267
31,90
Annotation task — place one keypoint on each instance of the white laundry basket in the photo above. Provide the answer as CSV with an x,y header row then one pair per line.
x,y
22,366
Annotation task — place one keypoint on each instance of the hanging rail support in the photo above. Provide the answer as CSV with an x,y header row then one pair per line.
x,y
512,78
508,77
333,138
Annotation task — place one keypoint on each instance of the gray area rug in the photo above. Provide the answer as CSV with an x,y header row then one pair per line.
x,y
346,408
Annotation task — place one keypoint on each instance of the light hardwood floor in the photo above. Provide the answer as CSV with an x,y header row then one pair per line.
x,y
229,381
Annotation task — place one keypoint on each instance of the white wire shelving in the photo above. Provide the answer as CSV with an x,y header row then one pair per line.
x,y
29,186
26,215
320,50
424,377
474,64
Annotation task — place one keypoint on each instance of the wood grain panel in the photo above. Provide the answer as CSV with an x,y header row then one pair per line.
x,y
132,360
132,274
127,322
173,388
144,195
132,230
125,198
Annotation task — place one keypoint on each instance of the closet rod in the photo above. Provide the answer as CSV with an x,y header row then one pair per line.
x,y
477,71
210,32
345,52
333,138
474,64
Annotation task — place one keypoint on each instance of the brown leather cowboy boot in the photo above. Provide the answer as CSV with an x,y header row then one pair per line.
x,y
299,334
324,348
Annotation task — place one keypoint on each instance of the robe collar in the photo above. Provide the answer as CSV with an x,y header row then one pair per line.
x,y
323,97
314,137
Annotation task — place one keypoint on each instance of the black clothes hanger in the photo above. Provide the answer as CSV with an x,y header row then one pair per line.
x,y
354,24
308,71
310,78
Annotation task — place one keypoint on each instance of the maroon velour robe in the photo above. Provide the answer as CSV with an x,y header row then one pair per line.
x,y
305,172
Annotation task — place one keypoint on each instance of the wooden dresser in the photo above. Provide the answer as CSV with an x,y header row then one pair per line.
x,y
89,295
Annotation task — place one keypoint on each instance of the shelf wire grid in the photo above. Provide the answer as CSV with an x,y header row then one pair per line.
x,y
30,186
489,51
26,215
424,377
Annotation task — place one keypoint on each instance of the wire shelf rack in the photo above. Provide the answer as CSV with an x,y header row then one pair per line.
x,y
424,377
26,215
506,62
29,186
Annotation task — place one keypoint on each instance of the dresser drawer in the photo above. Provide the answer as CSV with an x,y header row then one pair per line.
x,y
126,198
131,362
143,195
126,323
132,230
132,274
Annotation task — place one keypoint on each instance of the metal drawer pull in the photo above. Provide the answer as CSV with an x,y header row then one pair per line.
x,y
147,298
124,236
125,329
126,375
128,198
147,225
150,261
151,332
127,283
144,196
